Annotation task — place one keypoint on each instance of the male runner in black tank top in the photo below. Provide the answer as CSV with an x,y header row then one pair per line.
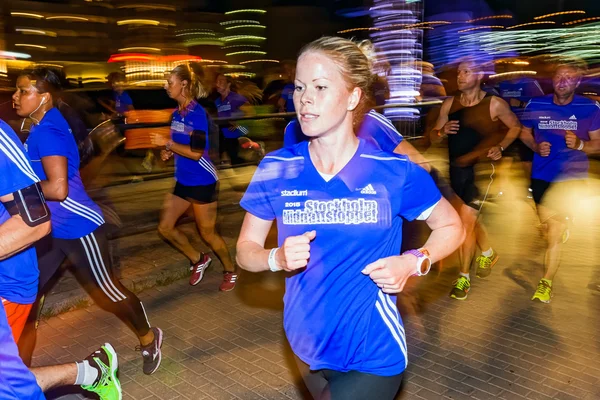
x,y
479,127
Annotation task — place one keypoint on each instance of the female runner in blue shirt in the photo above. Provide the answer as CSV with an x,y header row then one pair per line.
x,y
339,201
197,181
78,227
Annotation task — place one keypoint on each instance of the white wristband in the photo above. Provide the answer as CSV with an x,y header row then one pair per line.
x,y
272,264
580,145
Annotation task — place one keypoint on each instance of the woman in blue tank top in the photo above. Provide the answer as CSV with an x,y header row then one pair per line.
x,y
78,226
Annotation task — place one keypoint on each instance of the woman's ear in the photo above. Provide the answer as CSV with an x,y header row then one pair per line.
x,y
354,99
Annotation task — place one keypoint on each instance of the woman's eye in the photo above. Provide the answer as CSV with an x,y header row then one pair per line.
x,y
298,88
321,87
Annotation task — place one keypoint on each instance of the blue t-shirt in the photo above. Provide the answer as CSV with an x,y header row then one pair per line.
x,y
190,172
287,93
122,102
374,127
335,317
18,274
230,107
550,122
522,89
77,215
16,381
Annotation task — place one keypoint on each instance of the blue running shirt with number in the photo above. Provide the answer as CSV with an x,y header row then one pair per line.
x,y
18,274
335,317
190,172
550,122
373,127
122,102
77,215
230,107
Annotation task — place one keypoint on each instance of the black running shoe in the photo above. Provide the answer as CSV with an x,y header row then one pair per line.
x,y
151,353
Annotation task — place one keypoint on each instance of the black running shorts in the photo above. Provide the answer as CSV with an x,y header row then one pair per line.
x,y
201,194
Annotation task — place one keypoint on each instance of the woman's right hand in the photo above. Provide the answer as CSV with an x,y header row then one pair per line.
x,y
543,149
295,252
165,154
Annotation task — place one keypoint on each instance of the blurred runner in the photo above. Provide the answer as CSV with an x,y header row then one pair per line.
x,y
24,219
78,227
339,201
558,128
286,101
475,124
197,183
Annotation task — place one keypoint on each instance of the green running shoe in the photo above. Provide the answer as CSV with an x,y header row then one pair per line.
x,y
107,385
485,264
461,288
543,292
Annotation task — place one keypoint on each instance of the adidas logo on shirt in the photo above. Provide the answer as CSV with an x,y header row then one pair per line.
x,y
573,117
368,190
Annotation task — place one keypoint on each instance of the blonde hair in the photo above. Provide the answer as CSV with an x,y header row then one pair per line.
x,y
185,73
353,64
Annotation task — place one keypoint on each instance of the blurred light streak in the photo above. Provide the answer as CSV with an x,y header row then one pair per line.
x,y
26,15
358,29
530,23
36,46
482,27
246,10
262,60
240,21
581,20
503,16
140,49
241,74
239,45
13,54
138,22
559,13
245,26
148,7
237,53
28,31
68,17
242,37
505,74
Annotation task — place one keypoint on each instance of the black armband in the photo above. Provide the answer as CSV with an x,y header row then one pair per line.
x,y
30,204
198,140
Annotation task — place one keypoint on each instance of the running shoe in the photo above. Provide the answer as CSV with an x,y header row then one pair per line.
x,y
199,268
229,281
461,287
543,292
151,353
485,264
107,385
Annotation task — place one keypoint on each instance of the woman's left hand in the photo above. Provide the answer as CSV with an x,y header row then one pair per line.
x,y
391,273
158,140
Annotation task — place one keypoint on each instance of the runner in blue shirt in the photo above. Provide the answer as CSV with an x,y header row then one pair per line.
x,y
197,182
24,219
230,104
286,101
557,127
78,228
338,201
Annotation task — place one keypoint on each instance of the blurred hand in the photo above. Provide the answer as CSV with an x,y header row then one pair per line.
x,y
295,252
158,140
572,140
544,149
451,128
233,126
165,154
495,153
391,273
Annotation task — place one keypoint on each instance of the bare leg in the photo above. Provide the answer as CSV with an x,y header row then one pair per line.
x,y
466,252
55,376
174,208
554,230
206,220
482,237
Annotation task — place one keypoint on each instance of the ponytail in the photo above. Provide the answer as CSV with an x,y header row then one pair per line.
x,y
185,73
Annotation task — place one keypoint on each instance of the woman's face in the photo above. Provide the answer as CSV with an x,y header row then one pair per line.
x,y
322,99
26,98
174,86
